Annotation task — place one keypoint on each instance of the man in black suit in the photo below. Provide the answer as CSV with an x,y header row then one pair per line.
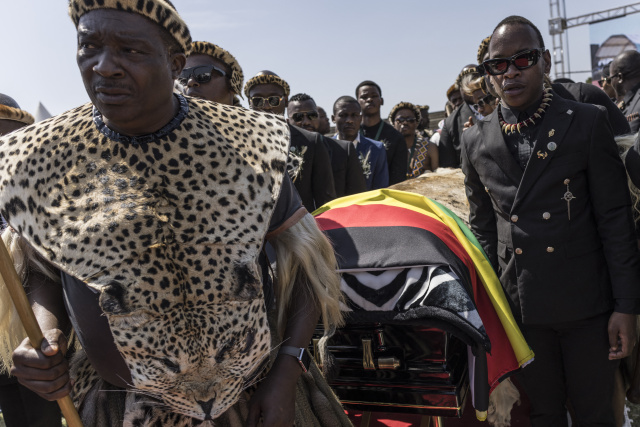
x,y
369,96
625,79
308,164
550,205
348,177
449,145
582,92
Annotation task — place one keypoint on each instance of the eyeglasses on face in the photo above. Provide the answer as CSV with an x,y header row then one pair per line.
x,y
483,101
522,61
617,75
201,74
401,120
259,101
604,80
298,117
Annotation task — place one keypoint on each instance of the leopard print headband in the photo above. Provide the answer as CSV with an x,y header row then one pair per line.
x,y
15,114
265,79
162,12
402,106
482,50
215,51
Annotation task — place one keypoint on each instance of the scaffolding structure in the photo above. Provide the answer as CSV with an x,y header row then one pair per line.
x,y
558,24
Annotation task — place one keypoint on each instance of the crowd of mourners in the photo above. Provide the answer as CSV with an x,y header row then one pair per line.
x,y
547,190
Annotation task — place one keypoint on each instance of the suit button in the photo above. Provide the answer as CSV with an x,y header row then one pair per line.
x,y
518,251
546,215
550,249
514,218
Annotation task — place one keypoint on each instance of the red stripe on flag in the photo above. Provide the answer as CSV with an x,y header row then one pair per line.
x,y
392,216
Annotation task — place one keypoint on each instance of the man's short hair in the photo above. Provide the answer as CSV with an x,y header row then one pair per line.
x,y
519,20
368,83
627,63
301,97
346,99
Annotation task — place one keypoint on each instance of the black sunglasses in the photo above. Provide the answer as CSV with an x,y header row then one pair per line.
x,y
258,101
298,117
483,101
200,74
406,120
522,61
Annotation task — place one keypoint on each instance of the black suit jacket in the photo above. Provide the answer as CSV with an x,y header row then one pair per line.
x,y
449,146
396,148
582,92
555,269
632,109
632,162
315,182
348,177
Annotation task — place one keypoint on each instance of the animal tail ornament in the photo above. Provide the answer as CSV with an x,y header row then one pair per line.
x,y
305,257
11,330
12,333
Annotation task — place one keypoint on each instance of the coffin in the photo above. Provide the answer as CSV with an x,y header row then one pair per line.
x,y
395,368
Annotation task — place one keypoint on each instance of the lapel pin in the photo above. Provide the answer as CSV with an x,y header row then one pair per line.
x,y
552,146
552,132
569,112
542,155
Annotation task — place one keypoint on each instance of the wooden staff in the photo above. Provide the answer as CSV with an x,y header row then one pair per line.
x,y
28,319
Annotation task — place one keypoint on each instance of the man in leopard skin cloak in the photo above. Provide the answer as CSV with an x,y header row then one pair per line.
x,y
137,220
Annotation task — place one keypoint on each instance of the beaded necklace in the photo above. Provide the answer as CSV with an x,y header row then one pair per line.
x,y
142,140
509,128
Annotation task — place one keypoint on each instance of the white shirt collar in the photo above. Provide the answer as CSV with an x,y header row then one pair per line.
x,y
354,142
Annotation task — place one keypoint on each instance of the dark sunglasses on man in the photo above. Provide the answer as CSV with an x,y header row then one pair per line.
x,y
259,102
486,100
604,80
201,74
401,120
298,117
521,60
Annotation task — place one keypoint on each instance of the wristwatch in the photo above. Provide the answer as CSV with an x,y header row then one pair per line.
x,y
299,353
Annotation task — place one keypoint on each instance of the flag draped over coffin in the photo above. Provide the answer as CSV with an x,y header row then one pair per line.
x,y
407,259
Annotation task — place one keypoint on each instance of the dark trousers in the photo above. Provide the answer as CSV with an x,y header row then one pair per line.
x,y
571,363
23,408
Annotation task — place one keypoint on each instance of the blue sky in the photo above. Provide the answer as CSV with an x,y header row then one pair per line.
x,y
413,48
629,25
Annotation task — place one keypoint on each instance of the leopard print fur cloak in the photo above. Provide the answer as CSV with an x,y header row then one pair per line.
x,y
167,231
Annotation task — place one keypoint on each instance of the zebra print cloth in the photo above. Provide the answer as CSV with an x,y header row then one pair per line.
x,y
410,290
